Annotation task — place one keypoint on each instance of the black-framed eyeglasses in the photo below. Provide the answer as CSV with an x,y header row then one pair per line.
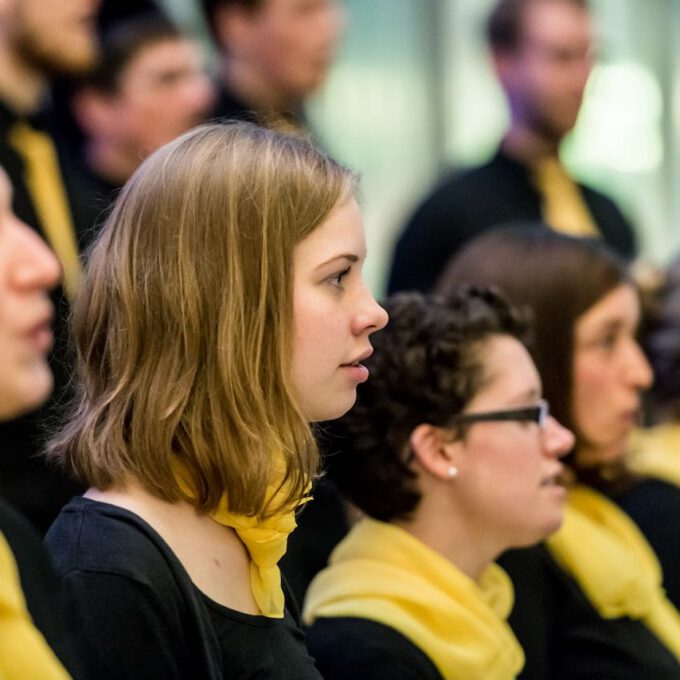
x,y
538,413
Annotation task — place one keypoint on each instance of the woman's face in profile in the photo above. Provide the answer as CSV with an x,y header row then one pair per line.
x,y
610,371
28,270
509,471
334,313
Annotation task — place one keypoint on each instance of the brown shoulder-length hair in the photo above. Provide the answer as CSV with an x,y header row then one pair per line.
x,y
183,325
558,278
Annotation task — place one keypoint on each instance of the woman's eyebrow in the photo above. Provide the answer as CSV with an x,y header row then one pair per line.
x,y
350,257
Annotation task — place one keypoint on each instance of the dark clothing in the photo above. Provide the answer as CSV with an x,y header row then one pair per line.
x,y
322,524
93,197
348,648
564,637
229,106
466,205
38,580
26,481
137,615
655,507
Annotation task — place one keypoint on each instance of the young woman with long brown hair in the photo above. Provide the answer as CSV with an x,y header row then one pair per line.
x,y
222,311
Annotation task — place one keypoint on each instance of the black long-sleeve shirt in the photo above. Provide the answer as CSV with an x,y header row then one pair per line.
x,y
135,613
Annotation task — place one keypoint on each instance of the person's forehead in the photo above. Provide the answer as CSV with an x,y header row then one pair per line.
x,y
282,8
180,48
553,20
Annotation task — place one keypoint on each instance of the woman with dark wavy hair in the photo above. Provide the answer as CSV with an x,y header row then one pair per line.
x,y
452,456
591,602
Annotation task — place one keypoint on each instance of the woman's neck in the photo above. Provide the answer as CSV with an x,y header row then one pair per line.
x,y
212,554
464,544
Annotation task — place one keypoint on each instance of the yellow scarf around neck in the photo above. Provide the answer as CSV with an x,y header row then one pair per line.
x,y
265,540
45,185
655,452
602,548
381,572
24,653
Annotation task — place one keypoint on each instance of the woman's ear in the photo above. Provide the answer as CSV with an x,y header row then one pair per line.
x,y
435,450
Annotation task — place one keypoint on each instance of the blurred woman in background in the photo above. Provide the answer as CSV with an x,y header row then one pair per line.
x,y
655,451
28,603
591,603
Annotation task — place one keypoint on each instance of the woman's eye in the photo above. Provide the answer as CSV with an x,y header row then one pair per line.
x,y
336,279
608,341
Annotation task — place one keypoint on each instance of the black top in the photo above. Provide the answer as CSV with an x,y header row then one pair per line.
x,y
93,197
348,648
230,106
564,637
466,205
37,490
137,615
38,580
655,507
322,524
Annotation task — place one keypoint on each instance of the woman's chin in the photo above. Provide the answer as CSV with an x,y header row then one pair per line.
x,y
332,410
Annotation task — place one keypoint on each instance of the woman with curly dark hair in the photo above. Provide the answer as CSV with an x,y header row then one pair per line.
x,y
451,454
590,603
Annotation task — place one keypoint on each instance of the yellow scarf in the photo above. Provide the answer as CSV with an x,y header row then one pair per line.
x,y
613,564
24,654
656,452
563,205
381,572
46,187
266,542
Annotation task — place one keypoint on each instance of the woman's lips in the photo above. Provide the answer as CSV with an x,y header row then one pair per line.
x,y
631,418
41,337
359,372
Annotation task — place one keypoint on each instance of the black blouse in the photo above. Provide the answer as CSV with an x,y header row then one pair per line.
x,y
135,614
563,635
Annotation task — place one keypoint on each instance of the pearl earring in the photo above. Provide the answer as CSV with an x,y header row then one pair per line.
x,y
452,471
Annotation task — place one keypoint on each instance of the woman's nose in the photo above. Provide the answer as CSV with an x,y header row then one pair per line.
x,y
558,439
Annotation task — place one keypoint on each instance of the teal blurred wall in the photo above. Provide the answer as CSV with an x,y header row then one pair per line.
x,y
412,93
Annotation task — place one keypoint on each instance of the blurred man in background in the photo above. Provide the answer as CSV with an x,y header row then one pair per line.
x,y
542,54
149,87
273,54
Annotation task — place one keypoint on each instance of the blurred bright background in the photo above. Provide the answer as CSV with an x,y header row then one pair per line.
x,y
412,95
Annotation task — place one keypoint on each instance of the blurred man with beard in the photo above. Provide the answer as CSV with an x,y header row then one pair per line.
x,y
542,55
273,55
40,39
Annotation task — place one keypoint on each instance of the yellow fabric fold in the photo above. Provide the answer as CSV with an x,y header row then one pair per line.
x,y
381,572
563,206
46,187
655,452
605,552
24,653
265,540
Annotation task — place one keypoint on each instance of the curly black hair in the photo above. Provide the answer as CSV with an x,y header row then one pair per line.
x,y
426,366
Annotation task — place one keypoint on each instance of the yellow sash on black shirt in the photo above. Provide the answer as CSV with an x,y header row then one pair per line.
x,y
382,573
